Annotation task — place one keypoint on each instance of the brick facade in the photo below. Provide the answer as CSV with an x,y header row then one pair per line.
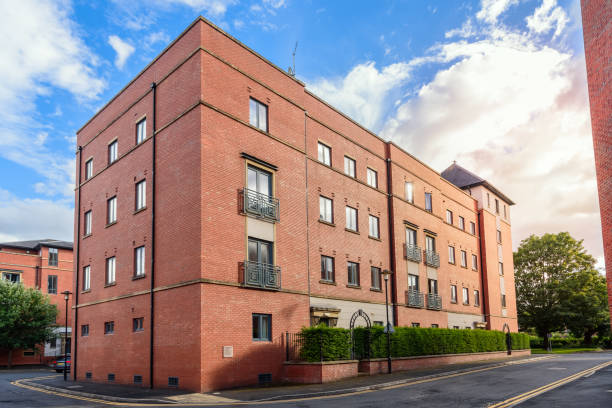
x,y
195,289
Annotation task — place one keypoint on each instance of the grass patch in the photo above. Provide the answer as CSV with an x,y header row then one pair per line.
x,y
565,350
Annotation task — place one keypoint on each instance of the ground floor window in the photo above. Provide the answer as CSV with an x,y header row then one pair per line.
x,y
262,327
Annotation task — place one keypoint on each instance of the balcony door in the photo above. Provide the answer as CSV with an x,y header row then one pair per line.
x,y
259,180
260,251
411,237
433,287
430,243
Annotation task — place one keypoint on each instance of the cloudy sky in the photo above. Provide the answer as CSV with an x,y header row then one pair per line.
x,y
498,85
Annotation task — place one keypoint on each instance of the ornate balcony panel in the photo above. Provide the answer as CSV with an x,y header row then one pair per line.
x,y
415,298
412,253
261,275
431,259
260,205
434,302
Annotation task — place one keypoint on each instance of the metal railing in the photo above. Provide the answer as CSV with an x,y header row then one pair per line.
x,y
261,275
261,205
431,258
434,302
412,253
414,298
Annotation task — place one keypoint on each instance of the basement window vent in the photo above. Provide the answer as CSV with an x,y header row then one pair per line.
x,y
265,379
88,375
172,381
111,377
138,379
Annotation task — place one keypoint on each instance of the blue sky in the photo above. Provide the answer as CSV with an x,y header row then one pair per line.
x,y
498,85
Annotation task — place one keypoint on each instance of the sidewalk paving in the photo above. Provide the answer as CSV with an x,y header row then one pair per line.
x,y
126,393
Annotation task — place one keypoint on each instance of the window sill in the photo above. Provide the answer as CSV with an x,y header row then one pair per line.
x,y
376,290
86,291
87,236
262,340
451,263
352,231
140,210
326,282
108,285
453,302
374,238
331,224
110,224
353,286
464,267
466,304
475,269
136,277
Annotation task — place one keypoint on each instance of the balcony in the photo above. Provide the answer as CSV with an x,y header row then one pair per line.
x,y
260,205
412,253
431,259
414,298
434,302
261,275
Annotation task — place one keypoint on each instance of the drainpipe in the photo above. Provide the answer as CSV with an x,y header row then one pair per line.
x,y
151,353
76,289
482,272
390,218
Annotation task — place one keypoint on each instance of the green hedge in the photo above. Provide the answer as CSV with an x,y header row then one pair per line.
x,y
556,342
322,343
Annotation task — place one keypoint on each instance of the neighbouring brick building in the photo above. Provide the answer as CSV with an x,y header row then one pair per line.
x,y
597,29
44,264
221,204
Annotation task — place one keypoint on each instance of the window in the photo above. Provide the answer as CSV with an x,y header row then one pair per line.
x,y
451,254
351,218
87,226
141,131
84,330
11,277
455,327
376,281
324,154
88,169
464,259
499,237
505,214
472,228
434,325
372,178
112,152
488,200
430,243
349,166
109,327
500,268
260,251
462,223
52,256
432,286
327,268
449,217
428,202
466,296
139,261
496,206
262,327
326,212
454,293
374,231
111,210
409,191
259,180
110,270
52,284
138,324
258,114
414,324
87,277
503,300
413,282
141,195
474,262
476,298
353,273
411,237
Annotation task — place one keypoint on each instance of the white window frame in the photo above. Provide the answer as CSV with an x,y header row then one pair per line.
x,y
111,210
111,269
141,131
449,217
349,166
472,227
139,261
87,223
374,226
89,169
462,223
258,114
356,278
453,294
476,297
326,209
351,219
324,153
409,190
466,296
372,177
87,277
451,254
474,262
113,148
141,195
464,258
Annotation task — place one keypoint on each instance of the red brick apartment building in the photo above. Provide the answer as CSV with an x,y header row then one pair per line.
x,y
46,265
220,204
597,29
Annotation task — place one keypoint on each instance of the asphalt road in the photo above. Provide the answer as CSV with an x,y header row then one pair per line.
x,y
512,385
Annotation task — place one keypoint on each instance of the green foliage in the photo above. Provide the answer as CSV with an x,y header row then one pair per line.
x,y
27,317
322,343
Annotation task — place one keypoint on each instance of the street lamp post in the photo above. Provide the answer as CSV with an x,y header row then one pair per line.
x,y
388,329
66,294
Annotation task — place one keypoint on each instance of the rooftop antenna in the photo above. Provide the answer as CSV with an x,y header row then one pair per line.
x,y
291,70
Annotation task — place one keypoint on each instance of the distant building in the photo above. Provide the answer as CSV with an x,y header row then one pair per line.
x,y
44,264
597,29
226,205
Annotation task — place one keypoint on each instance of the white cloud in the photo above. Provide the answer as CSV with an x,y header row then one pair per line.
x,y
363,94
275,3
547,17
155,37
123,50
492,9
466,30
214,8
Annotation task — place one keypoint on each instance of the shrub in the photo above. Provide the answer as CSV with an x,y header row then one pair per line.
x,y
322,343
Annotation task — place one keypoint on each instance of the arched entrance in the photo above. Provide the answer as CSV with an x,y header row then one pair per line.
x,y
365,352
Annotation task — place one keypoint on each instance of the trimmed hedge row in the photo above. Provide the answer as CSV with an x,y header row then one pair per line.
x,y
570,342
335,344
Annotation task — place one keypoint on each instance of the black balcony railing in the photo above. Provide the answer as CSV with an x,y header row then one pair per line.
x,y
261,275
434,302
261,205
414,298
431,259
412,253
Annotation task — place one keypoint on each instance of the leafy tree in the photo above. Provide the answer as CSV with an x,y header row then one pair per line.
x,y
27,318
543,265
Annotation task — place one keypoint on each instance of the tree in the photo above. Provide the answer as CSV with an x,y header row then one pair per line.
x,y
27,318
543,266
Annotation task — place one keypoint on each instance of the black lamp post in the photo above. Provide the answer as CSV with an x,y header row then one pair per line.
x,y
389,329
66,294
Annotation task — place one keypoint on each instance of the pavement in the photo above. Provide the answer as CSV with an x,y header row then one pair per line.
x,y
132,394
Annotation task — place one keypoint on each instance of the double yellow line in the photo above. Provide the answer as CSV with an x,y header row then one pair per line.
x,y
530,394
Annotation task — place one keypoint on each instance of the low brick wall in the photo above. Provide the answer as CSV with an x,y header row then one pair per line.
x,y
318,373
379,365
